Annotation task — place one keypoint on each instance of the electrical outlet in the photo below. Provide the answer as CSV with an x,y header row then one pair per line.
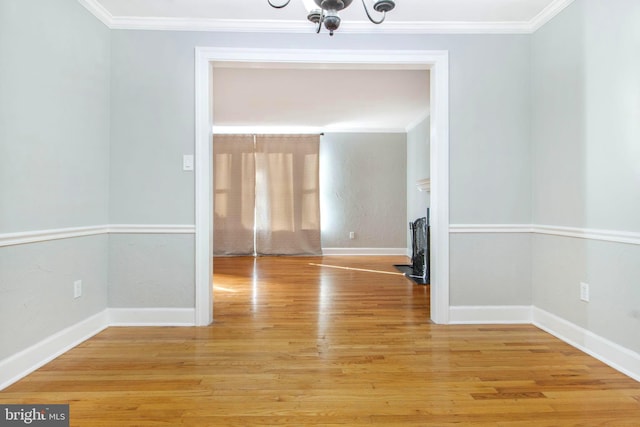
x,y
584,291
77,289
352,235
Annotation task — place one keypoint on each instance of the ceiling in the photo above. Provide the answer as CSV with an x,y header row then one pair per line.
x,y
409,16
345,100
313,96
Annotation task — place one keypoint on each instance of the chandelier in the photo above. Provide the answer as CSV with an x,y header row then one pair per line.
x,y
327,12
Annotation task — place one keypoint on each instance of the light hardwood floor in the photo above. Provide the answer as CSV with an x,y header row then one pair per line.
x,y
299,341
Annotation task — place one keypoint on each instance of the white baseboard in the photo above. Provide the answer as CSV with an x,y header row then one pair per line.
x,y
21,364
614,355
364,251
151,316
478,315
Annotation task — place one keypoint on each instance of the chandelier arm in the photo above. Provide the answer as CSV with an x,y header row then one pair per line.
x,y
320,21
280,6
384,14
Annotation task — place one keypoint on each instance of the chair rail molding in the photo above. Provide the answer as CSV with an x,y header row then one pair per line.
x,y
19,238
616,236
24,237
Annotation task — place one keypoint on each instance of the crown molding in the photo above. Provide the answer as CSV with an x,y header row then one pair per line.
x,y
303,27
98,11
359,27
548,13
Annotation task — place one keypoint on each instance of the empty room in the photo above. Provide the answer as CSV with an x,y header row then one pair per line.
x,y
319,212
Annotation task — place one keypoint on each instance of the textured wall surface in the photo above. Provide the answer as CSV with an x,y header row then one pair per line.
x,y
362,186
150,270
494,268
36,288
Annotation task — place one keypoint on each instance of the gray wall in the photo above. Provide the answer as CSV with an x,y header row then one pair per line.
x,y
489,116
497,269
54,161
151,270
586,100
152,127
489,133
363,189
490,170
490,164
418,158
36,288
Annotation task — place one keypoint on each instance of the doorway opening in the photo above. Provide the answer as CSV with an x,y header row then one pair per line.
x,y
434,61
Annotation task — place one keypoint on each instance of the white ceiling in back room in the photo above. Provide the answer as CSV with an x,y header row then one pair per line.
x,y
326,99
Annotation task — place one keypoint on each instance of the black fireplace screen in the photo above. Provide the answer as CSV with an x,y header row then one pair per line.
x,y
418,271
419,243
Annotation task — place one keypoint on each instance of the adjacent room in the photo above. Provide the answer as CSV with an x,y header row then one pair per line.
x,y
371,124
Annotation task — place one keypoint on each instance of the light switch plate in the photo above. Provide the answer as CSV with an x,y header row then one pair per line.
x,y
187,162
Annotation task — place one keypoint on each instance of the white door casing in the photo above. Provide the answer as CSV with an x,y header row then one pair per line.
x,y
435,61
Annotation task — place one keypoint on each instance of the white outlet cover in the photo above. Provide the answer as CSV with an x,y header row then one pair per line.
x,y
584,291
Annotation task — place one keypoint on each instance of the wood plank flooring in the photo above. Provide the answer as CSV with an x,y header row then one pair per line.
x,y
323,341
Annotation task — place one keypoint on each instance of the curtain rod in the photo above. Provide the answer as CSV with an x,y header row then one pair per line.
x,y
266,130
268,133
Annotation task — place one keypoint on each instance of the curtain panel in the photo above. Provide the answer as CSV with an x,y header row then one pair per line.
x,y
234,177
287,195
266,195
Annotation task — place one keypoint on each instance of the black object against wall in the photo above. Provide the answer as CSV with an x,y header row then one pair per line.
x,y
418,271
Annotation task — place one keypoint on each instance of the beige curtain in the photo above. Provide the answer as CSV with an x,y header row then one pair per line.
x,y
287,195
234,194
266,195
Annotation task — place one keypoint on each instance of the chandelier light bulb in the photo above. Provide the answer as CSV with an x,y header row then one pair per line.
x,y
331,21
